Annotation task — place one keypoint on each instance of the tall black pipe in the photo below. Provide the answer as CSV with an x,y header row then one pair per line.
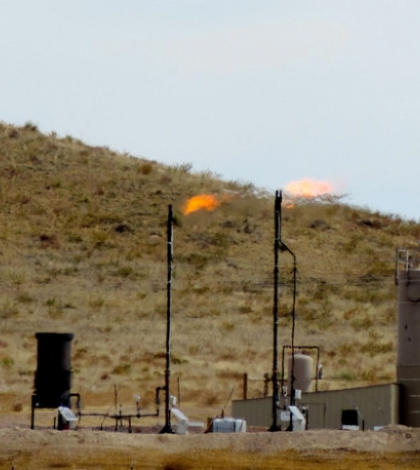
x,y
277,228
292,382
284,247
167,429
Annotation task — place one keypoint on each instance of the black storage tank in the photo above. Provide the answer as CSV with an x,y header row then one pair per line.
x,y
53,374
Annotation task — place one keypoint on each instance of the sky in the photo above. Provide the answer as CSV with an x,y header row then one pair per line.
x,y
256,91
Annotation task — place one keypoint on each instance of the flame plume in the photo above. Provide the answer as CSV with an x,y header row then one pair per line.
x,y
309,189
207,202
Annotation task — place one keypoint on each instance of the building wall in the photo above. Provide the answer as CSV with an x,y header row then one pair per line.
x,y
378,405
408,352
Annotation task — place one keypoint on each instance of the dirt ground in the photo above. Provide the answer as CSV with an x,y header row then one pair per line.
x,y
393,447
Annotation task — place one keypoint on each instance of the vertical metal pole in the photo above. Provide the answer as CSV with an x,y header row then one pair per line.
x,y
33,412
292,382
292,385
167,429
179,390
245,388
277,216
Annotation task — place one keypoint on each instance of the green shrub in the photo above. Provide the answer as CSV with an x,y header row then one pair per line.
x,y
122,369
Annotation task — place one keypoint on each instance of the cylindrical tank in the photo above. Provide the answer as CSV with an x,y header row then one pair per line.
x,y
408,350
53,373
303,367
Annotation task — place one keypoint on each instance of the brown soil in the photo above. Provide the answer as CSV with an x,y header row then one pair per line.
x,y
394,447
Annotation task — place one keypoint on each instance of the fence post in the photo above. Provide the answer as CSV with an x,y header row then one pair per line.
x,y
245,394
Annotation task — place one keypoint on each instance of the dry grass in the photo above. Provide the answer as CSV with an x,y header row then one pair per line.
x,y
83,249
85,450
218,460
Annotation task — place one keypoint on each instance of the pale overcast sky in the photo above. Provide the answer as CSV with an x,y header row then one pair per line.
x,y
257,91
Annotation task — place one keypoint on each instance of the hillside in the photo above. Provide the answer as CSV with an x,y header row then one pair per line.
x,y
83,250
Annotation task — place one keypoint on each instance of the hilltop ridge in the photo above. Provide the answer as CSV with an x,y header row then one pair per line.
x,y
83,249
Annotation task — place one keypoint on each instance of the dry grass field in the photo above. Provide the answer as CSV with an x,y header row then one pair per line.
x,y
389,449
83,250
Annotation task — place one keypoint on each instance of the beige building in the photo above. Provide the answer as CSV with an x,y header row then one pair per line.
x,y
376,406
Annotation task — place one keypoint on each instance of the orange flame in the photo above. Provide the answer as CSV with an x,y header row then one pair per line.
x,y
309,189
202,201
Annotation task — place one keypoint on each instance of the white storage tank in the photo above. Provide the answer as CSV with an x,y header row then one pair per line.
x,y
303,367
229,425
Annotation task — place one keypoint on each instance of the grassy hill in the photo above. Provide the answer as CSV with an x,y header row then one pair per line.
x,y
83,250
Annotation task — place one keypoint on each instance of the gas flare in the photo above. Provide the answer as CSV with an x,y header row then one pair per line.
x,y
207,202
309,189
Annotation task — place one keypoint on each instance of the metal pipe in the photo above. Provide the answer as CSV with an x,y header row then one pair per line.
x,y
119,417
168,427
277,228
33,398
286,248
